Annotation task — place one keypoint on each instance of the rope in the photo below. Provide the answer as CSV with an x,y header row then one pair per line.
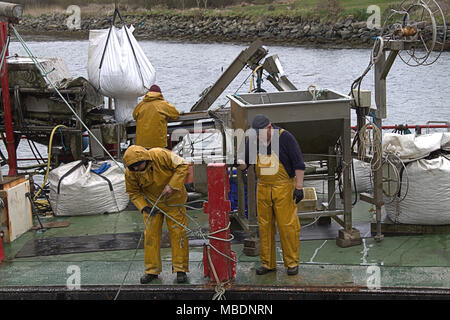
x,y
199,233
45,75
220,290
312,89
137,247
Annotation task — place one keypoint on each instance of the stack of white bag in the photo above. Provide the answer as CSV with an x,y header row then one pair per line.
x,y
428,197
125,72
83,192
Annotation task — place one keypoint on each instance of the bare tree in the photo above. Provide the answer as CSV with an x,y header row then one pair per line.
x,y
205,2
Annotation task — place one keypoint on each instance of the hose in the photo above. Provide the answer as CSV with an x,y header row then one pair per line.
x,y
253,76
48,159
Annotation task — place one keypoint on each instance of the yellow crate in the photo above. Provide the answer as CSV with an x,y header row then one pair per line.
x,y
309,201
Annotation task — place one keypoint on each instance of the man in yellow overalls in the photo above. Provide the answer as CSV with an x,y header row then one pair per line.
x,y
151,116
149,175
279,189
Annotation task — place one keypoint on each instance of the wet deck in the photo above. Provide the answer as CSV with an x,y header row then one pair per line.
x,y
416,266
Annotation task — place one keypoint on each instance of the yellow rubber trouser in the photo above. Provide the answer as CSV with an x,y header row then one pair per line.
x,y
275,203
178,240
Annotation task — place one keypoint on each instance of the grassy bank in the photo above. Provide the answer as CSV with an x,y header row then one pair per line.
x,y
323,10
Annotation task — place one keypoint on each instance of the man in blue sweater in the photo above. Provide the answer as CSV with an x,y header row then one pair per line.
x,y
279,170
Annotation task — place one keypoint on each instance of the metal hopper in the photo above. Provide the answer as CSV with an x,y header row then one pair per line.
x,y
316,121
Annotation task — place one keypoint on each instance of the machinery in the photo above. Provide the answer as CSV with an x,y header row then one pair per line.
x,y
319,119
416,32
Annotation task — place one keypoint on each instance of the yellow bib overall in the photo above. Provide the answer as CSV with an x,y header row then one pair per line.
x,y
275,203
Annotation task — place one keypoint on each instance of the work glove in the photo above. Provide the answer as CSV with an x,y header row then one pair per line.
x,y
298,195
147,210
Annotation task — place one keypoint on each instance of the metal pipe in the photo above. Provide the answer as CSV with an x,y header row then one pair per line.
x,y
7,105
421,126
11,10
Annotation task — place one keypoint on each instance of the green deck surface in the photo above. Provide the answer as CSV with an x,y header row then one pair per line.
x,y
404,261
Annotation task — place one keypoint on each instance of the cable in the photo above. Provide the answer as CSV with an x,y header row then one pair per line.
x,y
375,58
137,247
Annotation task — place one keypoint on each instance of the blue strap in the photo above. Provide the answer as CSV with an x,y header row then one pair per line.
x,y
105,166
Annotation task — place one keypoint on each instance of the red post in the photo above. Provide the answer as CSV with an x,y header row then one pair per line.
x,y
218,208
12,161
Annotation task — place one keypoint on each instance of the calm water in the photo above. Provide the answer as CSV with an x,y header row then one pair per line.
x,y
184,70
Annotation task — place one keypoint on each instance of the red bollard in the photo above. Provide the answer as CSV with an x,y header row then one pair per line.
x,y
218,208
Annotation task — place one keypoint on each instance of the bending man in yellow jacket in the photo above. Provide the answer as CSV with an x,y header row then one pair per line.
x,y
152,173
151,116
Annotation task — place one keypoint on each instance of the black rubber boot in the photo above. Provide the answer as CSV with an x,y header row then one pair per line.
x,y
181,277
292,271
147,278
263,270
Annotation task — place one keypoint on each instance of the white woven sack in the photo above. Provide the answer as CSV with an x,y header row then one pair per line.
x,y
411,147
83,192
428,198
125,73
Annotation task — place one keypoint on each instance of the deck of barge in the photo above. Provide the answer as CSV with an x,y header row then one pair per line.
x,y
409,266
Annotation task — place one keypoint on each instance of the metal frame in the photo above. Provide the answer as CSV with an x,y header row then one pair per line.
x,y
335,110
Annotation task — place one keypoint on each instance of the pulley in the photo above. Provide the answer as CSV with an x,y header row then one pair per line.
x,y
421,25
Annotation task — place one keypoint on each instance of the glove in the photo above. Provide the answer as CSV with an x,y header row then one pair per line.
x,y
147,210
298,195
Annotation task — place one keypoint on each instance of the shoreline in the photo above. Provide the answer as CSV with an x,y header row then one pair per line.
x,y
84,36
346,33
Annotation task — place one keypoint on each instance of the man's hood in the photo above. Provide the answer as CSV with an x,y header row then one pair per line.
x,y
135,154
152,95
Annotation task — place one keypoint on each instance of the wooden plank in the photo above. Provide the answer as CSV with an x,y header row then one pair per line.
x,y
315,214
367,198
405,229
380,87
54,224
20,218
11,182
388,65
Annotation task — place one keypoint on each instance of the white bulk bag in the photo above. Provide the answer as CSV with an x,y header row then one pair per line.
x,y
445,143
411,147
75,190
428,198
125,73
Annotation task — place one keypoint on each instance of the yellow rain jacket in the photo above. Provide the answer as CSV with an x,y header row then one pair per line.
x,y
151,116
164,168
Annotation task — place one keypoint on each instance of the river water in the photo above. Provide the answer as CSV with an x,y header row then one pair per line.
x,y
415,95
